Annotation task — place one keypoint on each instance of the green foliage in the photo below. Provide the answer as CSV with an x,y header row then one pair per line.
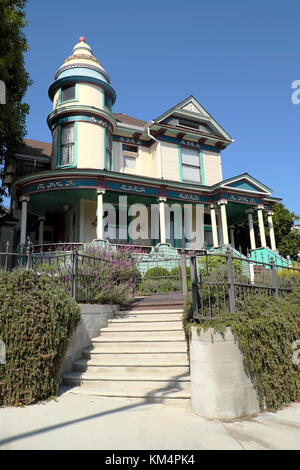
x,y
13,45
159,280
156,273
265,329
37,319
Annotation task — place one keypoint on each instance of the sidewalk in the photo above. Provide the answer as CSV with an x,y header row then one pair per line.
x,y
88,422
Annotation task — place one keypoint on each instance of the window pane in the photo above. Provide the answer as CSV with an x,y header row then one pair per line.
x,y
129,162
67,154
190,173
108,140
108,160
190,156
68,93
67,134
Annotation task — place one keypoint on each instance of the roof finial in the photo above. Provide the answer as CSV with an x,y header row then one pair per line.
x,y
82,39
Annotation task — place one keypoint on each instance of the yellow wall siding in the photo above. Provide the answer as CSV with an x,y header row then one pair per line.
x,y
212,168
54,149
55,99
116,148
170,164
90,95
90,146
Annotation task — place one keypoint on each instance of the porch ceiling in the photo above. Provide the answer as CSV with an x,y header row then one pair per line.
x,y
236,212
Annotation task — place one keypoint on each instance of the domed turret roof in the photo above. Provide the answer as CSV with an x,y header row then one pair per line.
x,y
82,62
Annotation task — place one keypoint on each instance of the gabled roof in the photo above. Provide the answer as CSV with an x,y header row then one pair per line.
x,y
35,148
244,182
124,118
190,108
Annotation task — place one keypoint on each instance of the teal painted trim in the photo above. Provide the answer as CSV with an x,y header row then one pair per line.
x,y
104,139
73,165
81,78
202,167
180,163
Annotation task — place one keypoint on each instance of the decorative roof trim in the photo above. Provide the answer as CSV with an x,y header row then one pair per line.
x,y
83,79
82,66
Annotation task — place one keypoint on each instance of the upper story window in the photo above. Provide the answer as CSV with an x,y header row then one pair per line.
x,y
67,93
109,164
67,144
130,153
195,125
190,160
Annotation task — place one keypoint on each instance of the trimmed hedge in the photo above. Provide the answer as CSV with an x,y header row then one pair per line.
x,y
37,319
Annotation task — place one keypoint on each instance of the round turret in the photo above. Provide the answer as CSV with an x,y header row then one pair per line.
x,y
81,121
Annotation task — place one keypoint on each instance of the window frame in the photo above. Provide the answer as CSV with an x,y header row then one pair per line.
x,y
60,144
128,153
61,101
184,165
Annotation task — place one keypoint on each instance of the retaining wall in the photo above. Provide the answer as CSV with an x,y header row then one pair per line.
x,y
220,388
93,318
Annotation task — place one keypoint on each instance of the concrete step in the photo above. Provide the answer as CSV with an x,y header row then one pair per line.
x,y
149,317
138,359
131,372
130,388
140,347
152,311
138,326
107,334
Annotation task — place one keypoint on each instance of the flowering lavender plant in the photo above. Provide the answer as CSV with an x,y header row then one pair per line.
x,y
103,275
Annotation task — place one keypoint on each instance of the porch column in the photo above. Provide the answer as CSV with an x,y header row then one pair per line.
x,y
214,226
231,233
41,229
223,204
261,226
24,201
251,229
100,227
162,219
271,230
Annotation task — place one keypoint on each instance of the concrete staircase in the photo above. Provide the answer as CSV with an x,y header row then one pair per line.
x,y
141,354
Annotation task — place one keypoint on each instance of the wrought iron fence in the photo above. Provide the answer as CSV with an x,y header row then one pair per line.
x,y
221,281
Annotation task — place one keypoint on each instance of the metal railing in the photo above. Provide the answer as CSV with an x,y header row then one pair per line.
x,y
222,281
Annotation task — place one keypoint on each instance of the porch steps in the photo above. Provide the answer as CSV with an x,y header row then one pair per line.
x,y
142,353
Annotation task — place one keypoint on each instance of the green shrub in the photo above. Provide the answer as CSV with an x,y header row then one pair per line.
x,y
157,272
37,319
265,329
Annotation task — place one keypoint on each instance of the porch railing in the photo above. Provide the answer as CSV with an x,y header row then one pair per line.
x,y
221,281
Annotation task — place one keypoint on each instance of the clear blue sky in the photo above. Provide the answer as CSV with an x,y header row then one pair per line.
x,y
238,58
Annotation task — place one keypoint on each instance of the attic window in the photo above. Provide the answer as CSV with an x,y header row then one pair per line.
x,y
184,123
195,125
